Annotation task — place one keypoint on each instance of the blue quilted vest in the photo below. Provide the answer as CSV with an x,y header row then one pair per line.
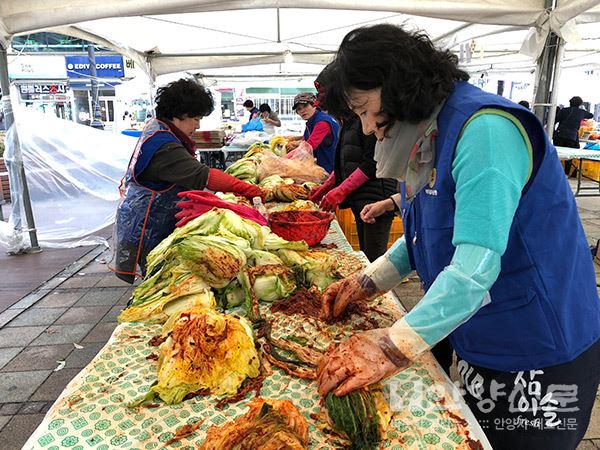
x,y
544,306
325,152
147,213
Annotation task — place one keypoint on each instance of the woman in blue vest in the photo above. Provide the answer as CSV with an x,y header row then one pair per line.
x,y
253,110
492,229
162,165
321,133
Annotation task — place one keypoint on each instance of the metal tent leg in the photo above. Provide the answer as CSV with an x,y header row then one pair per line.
x,y
9,120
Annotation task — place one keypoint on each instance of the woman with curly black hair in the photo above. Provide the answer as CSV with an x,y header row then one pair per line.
x,y
162,165
492,229
353,182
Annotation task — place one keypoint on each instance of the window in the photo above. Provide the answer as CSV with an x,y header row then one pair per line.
x,y
50,42
287,101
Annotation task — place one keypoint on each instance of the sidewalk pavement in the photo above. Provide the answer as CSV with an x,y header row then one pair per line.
x,y
30,271
23,274
79,305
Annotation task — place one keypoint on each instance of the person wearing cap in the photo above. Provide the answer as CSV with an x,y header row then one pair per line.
x,y
321,133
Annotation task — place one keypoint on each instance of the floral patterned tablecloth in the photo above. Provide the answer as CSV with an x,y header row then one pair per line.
x,y
92,411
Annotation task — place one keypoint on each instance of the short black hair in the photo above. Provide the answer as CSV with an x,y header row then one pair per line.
x,y
576,102
249,104
183,98
330,97
413,75
264,108
524,103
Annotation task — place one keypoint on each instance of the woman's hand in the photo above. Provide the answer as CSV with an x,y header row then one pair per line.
x,y
302,146
373,210
360,361
332,199
249,191
358,287
316,194
291,145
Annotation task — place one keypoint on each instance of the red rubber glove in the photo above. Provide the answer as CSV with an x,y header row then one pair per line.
x,y
221,181
317,193
200,202
336,196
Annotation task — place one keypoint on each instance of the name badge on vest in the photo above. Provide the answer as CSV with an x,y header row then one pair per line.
x,y
432,179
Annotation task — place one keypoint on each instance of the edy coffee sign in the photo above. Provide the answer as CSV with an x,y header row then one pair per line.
x,y
107,66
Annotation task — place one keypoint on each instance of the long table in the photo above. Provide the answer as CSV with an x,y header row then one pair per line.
x,y
429,412
566,153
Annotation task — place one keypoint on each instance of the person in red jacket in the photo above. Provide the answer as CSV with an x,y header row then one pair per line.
x,y
162,165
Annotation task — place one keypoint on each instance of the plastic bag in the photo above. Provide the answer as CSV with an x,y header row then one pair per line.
x,y
592,146
248,138
301,167
254,125
10,238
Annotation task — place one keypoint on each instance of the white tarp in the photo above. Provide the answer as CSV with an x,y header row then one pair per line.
x,y
73,174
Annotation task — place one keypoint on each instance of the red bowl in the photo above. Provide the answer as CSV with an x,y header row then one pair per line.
x,y
309,226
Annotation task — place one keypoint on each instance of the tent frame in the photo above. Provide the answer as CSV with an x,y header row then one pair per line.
x,y
548,26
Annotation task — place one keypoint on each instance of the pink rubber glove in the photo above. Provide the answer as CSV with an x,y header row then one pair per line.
x,y
316,194
336,196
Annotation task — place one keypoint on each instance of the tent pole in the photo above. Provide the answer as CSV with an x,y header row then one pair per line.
x,y
546,81
20,173
151,84
96,121
151,97
547,70
555,83
278,27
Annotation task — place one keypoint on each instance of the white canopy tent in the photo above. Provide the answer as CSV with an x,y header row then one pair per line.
x,y
201,35
171,36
